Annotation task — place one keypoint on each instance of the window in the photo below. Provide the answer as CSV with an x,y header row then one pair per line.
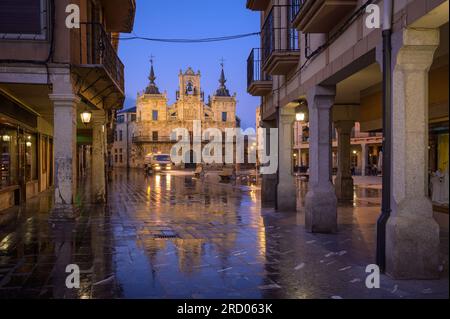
x,y
23,18
8,156
224,116
120,158
30,157
121,119
155,115
155,135
120,135
115,158
133,117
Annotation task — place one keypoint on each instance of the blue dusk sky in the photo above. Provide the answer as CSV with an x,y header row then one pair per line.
x,y
191,20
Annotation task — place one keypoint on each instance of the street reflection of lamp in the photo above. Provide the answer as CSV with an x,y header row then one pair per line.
x,y
86,117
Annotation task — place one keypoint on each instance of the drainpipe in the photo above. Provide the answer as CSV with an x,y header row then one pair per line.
x,y
387,134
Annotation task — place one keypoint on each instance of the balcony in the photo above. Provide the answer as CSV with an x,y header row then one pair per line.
x,y
97,64
258,82
319,16
280,51
119,15
257,5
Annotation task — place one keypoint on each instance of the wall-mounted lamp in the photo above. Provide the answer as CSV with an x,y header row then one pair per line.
x,y
299,116
86,117
301,110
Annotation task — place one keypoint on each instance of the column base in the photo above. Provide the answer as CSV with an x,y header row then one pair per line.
x,y
268,184
286,197
344,188
63,212
412,242
321,210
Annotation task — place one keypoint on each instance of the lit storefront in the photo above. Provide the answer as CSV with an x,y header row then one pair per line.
x,y
24,155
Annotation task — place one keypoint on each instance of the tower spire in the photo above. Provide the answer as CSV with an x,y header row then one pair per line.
x,y
152,88
222,90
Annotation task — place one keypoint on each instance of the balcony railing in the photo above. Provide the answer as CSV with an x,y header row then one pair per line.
x,y
319,16
277,35
254,68
96,49
296,7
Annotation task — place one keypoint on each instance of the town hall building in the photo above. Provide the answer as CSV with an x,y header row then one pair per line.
x,y
155,119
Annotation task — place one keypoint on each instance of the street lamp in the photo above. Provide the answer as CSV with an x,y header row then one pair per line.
x,y
300,111
86,117
299,116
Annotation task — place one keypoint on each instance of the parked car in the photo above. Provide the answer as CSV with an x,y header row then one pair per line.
x,y
157,162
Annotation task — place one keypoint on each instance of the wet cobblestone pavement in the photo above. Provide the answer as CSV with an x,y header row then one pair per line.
x,y
173,236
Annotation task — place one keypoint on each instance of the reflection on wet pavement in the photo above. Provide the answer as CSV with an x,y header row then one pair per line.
x,y
174,236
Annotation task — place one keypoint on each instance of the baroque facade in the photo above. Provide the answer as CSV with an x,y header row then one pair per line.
x,y
155,118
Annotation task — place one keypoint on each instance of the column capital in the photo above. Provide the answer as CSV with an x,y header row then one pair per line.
x,y
416,48
98,117
64,99
321,97
344,125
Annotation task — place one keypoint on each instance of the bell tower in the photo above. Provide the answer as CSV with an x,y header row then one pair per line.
x,y
189,85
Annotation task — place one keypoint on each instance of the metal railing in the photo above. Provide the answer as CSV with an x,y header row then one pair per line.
x,y
96,49
254,68
295,8
277,34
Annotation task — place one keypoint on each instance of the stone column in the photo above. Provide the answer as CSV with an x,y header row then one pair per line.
x,y
412,234
65,152
286,190
363,159
344,181
98,157
320,201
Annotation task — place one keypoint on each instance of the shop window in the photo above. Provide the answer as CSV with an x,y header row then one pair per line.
x,y
8,161
30,160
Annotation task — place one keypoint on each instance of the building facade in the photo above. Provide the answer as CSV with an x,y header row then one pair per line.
x,y
322,55
49,75
156,119
121,150
365,150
